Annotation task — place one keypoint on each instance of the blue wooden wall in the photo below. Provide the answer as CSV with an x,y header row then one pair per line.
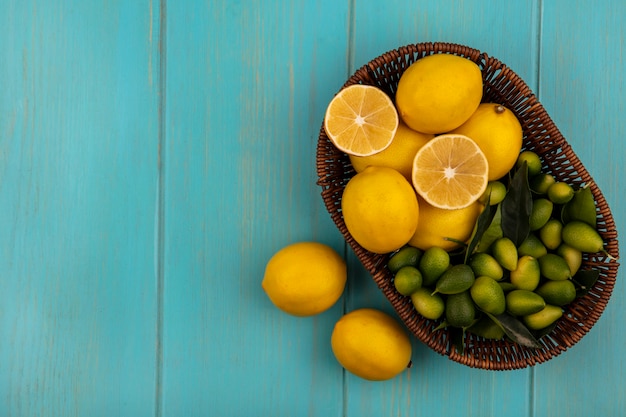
x,y
155,154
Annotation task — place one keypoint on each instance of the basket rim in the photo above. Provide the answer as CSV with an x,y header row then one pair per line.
x,y
333,169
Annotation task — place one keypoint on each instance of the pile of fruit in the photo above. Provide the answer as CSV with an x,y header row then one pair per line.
x,y
478,235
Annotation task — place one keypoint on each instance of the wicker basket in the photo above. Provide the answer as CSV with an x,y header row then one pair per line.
x,y
503,86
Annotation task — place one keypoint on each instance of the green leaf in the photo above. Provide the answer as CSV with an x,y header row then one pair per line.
x,y
457,338
515,330
584,280
517,206
581,207
493,232
441,325
482,224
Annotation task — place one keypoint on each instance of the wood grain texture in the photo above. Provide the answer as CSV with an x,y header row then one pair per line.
x,y
78,171
582,86
155,155
246,91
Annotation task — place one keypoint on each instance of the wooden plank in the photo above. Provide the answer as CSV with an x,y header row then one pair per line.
x,y
78,175
582,84
247,84
435,385
502,30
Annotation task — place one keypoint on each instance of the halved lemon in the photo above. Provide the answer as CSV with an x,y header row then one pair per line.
x,y
450,171
361,120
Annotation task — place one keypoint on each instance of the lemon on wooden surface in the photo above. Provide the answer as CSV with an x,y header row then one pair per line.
x,y
498,133
371,344
398,155
361,120
444,228
439,92
305,278
450,171
380,209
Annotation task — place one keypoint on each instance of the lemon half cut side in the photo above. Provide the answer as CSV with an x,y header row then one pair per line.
x,y
361,120
450,171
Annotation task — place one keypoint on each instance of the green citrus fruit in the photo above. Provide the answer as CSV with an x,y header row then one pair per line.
x,y
407,280
430,306
460,309
456,279
572,256
558,293
434,262
554,267
407,256
505,252
550,234
543,318
560,192
532,246
582,236
527,274
541,182
524,302
541,213
483,263
488,295
495,192
532,162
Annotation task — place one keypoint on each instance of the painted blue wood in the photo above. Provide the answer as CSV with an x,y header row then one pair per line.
x,y
79,91
154,155
247,85
582,85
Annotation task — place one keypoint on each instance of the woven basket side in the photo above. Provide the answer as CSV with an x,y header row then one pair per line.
x,y
541,135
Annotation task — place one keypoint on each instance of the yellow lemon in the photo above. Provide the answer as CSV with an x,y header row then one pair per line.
x,y
371,344
305,278
361,120
498,133
399,155
444,228
439,92
380,209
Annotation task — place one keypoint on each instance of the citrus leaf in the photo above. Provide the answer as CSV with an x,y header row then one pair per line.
x,y
515,330
584,280
493,232
482,224
517,206
441,326
457,338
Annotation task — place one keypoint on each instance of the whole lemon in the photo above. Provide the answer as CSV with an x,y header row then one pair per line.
x,y
437,226
439,92
380,209
371,344
399,155
305,278
498,133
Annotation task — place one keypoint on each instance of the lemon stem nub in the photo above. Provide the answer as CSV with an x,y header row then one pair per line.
x,y
500,109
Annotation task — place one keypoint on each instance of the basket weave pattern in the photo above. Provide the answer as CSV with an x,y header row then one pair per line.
x,y
503,86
